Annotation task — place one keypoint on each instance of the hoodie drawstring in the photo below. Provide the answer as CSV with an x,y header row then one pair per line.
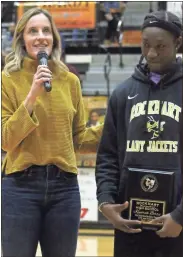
x,y
159,114
146,110
148,99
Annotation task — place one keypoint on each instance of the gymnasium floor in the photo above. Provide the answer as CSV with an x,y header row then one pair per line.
x,y
90,243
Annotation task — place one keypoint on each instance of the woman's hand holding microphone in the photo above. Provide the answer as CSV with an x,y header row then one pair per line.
x,y
43,74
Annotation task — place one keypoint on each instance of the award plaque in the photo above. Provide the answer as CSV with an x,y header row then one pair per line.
x,y
150,195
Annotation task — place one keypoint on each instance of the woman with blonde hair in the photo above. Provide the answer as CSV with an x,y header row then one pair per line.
x,y
40,133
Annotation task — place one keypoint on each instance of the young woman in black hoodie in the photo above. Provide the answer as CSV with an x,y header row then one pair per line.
x,y
142,131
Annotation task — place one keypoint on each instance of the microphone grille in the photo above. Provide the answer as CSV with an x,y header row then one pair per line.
x,y
42,54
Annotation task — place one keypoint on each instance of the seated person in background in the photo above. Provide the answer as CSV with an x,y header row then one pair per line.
x,y
93,119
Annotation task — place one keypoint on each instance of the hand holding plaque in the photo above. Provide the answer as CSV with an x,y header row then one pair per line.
x,y
113,213
170,227
150,195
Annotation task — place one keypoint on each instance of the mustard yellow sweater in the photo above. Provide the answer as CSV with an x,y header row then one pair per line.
x,y
56,128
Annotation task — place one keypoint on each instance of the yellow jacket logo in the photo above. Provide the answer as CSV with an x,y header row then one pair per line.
x,y
154,127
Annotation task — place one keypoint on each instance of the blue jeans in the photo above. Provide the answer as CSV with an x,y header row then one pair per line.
x,y
40,204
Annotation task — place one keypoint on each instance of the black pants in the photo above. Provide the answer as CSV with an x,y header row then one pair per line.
x,y
111,33
147,244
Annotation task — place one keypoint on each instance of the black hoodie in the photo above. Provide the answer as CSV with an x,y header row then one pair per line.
x,y
141,130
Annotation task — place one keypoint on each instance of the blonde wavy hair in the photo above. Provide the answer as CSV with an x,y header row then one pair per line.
x,y
13,60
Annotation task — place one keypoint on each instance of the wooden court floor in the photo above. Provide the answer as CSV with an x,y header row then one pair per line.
x,y
93,245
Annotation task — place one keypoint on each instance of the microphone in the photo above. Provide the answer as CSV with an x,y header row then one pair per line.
x,y
43,60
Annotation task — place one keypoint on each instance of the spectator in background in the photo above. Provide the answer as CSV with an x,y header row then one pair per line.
x,y
79,36
93,119
7,39
69,66
113,14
